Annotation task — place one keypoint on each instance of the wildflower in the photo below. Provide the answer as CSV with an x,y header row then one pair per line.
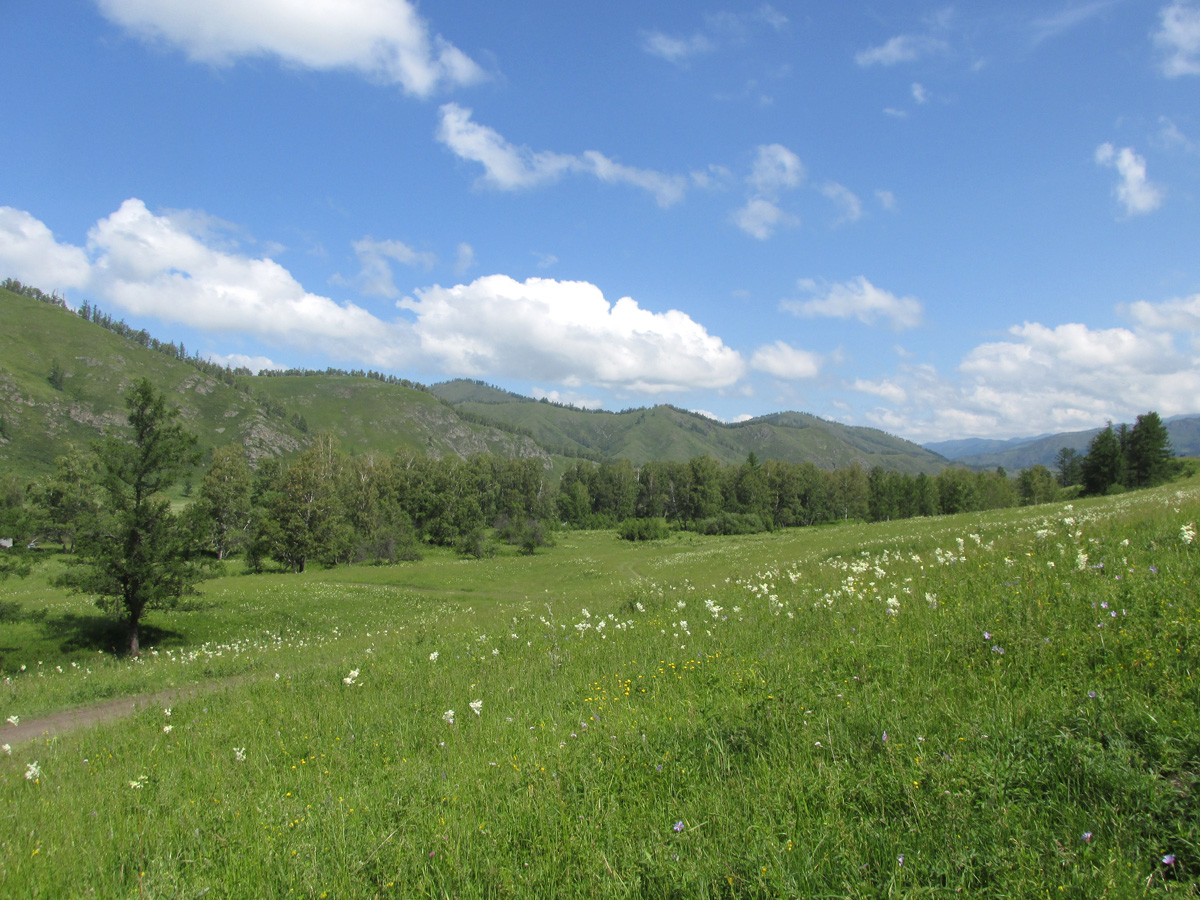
x,y
1092,695
351,678
900,860
433,656
167,712
987,635
998,649
1087,837
448,717
1188,534
7,748
477,707
14,720
239,753
167,729
885,737
33,771
678,826
1168,860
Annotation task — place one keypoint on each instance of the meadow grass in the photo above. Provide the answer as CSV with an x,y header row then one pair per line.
x,y
999,705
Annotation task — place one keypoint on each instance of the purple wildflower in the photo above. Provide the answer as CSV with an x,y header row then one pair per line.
x,y
678,826
1169,859
1092,695
1087,837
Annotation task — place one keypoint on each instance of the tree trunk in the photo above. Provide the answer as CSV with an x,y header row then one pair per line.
x,y
135,647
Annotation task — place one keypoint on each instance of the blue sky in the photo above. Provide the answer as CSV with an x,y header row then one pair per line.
x,y
974,219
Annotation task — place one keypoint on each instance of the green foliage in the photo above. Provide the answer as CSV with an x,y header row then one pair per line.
x,y
133,555
632,529
222,513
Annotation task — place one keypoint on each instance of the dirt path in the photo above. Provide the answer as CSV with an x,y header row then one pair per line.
x,y
87,716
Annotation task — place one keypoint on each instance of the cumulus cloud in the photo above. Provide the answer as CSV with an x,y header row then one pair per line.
x,y
1042,378
30,253
856,299
255,364
785,361
568,398
509,168
384,40
1178,39
760,217
900,49
567,331
376,258
1136,193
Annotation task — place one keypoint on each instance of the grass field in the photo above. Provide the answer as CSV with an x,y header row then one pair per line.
x,y
993,705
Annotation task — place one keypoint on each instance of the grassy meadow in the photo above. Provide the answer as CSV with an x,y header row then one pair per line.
x,y
997,704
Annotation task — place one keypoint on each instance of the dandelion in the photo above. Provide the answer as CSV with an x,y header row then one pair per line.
x,y
33,771
433,656
448,717
239,754
678,826
476,707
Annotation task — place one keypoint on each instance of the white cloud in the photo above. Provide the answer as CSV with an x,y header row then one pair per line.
x,y
900,49
673,49
545,260
1064,378
784,361
856,299
568,398
850,205
376,275
255,364
776,168
760,217
884,388
1178,38
510,168
1045,27
919,93
1180,314
1170,137
29,253
567,332
1134,191
886,199
465,260
385,40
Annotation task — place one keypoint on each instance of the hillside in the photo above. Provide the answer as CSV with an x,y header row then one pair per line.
x,y
669,433
270,416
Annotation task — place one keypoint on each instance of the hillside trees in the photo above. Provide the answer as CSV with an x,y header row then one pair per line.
x,y
66,500
222,511
133,555
1148,454
1104,465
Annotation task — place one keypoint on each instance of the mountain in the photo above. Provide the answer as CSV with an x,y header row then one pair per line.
x,y
63,378
667,433
1184,432
957,449
92,366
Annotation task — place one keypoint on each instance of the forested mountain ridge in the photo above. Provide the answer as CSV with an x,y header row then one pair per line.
x,y
63,375
63,380
670,434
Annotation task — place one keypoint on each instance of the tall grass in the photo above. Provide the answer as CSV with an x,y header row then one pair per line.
x,y
1000,705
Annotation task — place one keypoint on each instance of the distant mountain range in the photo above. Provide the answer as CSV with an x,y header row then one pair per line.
x,y
1021,453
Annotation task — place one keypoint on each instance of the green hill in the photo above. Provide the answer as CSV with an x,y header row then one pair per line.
x,y
669,433
63,378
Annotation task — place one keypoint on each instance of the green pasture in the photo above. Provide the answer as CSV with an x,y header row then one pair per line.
x,y
1001,704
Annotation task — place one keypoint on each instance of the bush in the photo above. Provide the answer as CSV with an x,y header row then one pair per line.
x,y
733,523
643,530
477,543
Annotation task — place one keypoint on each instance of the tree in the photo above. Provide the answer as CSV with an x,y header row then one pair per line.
x,y
135,555
1070,467
1104,465
1036,485
223,510
67,499
1148,455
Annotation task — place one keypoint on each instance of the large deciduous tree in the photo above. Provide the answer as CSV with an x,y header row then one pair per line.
x,y
1148,456
135,556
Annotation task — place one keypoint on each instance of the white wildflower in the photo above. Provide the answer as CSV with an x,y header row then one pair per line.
x,y
167,729
477,707
14,720
1188,532
352,677
448,717
239,753
33,771
433,656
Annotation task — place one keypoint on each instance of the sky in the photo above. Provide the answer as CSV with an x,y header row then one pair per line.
x,y
976,219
